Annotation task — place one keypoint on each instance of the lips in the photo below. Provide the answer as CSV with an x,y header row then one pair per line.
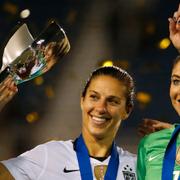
x,y
97,120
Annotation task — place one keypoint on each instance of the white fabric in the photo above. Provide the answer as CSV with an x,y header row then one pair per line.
x,y
47,162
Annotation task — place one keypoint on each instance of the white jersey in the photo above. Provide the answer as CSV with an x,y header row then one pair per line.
x,y
57,160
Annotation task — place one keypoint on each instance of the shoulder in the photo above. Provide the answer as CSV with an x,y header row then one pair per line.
x,y
123,154
127,164
49,155
152,139
166,133
41,152
58,144
53,147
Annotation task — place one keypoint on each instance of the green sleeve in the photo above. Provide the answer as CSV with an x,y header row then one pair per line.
x,y
141,164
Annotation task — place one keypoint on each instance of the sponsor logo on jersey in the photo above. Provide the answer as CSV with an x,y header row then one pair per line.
x,y
153,157
128,173
69,170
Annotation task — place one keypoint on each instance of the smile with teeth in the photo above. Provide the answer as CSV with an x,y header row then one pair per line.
x,y
99,120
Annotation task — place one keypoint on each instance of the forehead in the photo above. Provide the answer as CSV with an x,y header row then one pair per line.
x,y
107,85
176,69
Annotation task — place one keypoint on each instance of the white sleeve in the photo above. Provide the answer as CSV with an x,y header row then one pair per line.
x,y
29,165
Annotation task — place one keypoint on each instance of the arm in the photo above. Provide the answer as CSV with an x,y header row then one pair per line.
x,y
7,91
29,165
174,29
4,173
149,126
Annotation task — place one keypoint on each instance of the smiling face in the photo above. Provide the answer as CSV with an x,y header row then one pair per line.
x,y
103,107
175,87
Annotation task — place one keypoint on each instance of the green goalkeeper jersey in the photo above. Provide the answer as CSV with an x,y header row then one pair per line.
x,y
150,155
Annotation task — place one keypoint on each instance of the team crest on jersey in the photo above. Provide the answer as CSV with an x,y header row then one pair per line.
x,y
128,173
178,156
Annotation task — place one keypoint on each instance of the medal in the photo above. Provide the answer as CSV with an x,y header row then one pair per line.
x,y
85,165
100,171
170,156
178,156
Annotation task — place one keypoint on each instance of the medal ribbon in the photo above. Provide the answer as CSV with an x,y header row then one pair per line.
x,y
85,165
170,156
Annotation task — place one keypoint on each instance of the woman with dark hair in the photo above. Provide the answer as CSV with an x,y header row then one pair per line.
x,y
155,157
159,153
106,101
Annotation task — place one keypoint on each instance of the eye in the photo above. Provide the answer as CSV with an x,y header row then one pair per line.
x,y
113,102
93,97
176,82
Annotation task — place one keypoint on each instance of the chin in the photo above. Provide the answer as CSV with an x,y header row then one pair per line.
x,y
99,134
178,110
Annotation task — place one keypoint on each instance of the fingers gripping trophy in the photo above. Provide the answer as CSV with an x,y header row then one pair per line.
x,y
25,58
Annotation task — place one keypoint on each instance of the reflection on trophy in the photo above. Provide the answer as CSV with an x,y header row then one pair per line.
x,y
35,56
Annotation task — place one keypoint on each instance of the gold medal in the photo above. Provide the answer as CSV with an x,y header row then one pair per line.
x,y
100,171
178,156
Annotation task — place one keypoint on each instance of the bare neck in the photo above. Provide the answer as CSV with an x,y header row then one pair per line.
x,y
97,147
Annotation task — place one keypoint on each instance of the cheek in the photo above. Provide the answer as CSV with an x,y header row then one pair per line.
x,y
116,121
172,92
86,107
117,114
120,113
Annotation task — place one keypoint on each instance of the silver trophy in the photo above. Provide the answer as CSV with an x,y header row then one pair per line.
x,y
25,58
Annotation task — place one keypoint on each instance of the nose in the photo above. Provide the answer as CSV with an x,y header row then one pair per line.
x,y
101,107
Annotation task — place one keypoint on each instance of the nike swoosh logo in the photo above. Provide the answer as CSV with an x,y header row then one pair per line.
x,y
69,170
152,157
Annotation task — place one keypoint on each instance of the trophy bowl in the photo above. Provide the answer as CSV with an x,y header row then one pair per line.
x,y
40,56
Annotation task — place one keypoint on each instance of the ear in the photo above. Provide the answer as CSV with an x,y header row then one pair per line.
x,y
81,102
128,111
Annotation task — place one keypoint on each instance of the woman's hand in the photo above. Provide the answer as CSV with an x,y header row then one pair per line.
x,y
174,29
149,126
8,89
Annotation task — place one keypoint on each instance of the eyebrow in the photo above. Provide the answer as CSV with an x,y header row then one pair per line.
x,y
111,96
175,76
114,98
93,91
